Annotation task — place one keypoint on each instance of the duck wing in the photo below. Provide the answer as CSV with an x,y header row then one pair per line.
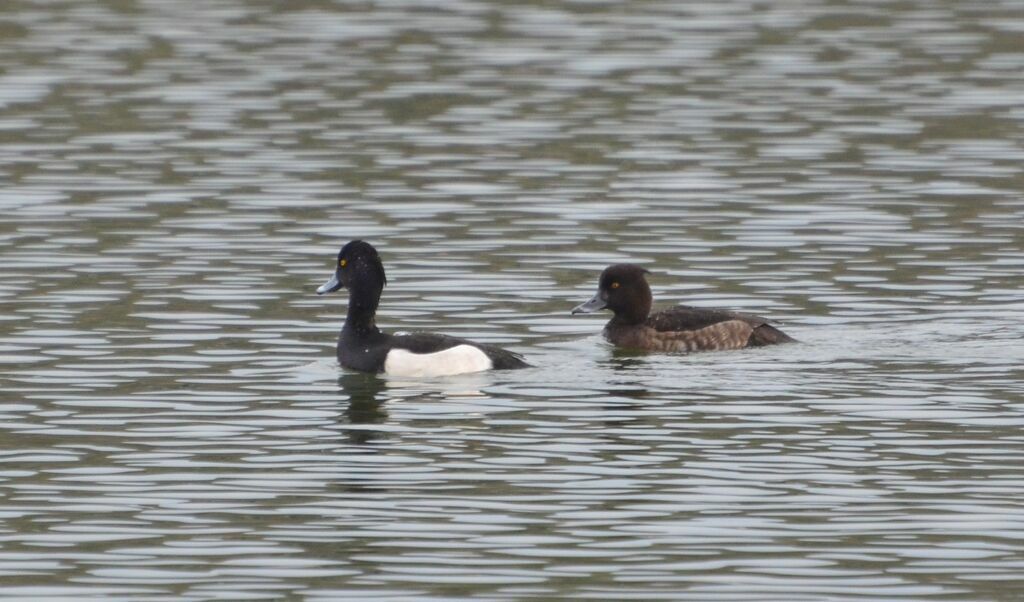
x,y
685,317
697,327
432,342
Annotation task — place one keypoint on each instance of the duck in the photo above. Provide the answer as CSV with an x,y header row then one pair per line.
x,y
623,289
365,348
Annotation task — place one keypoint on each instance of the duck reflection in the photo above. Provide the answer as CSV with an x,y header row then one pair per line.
x,y
631,383
627,360
365,405
368,393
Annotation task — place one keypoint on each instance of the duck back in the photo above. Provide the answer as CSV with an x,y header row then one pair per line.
x,y
686,328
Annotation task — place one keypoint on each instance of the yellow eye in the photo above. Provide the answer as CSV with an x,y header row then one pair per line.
x,y
615,285
343,262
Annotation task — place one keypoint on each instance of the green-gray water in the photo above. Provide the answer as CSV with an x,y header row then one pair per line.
x,y
176,179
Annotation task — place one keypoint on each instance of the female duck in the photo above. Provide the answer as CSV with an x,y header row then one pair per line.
x,y
624,290
362,346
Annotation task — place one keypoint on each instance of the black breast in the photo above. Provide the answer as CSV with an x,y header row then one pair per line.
x,y
363,353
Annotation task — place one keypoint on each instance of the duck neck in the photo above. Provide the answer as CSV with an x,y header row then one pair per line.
x,y
362,309
628,319
636,310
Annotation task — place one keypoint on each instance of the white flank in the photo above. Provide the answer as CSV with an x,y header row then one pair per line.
x,y
454,360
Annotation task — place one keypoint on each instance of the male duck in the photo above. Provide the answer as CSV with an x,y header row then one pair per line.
x,y
624,290
362,346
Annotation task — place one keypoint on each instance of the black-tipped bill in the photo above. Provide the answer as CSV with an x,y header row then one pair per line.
x,y
590,306
330,286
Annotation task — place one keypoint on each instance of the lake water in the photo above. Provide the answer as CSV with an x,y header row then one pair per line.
x,y
177,179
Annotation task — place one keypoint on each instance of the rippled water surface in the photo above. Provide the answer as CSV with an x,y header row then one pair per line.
x,y
176,181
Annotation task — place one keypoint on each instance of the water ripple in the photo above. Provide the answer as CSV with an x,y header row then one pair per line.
x,y
176,184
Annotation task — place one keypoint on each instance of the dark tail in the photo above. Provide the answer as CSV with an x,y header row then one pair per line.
x,y
766,334
504,359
